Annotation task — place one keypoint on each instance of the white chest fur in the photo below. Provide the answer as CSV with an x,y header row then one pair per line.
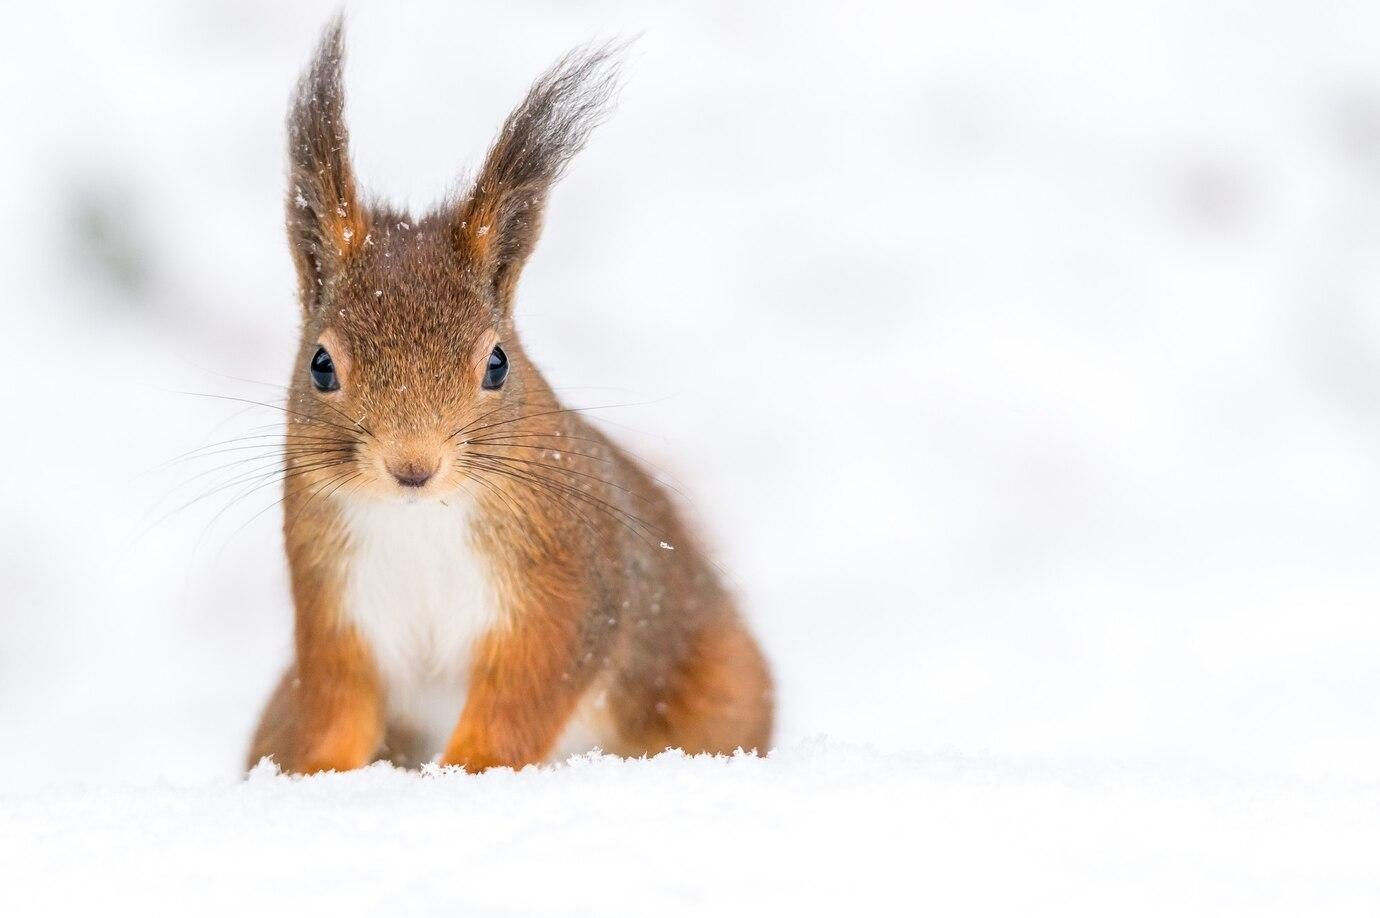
x,y
421,595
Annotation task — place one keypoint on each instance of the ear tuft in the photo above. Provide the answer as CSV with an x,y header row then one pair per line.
x,y
499,221
326,223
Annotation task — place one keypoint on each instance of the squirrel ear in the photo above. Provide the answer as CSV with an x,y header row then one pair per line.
x,y
498,222
324,219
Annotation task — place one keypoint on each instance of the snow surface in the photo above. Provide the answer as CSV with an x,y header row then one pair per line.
x,y
818,828
1021,362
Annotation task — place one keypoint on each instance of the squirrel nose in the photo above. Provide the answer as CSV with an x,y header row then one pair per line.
x,y
410,474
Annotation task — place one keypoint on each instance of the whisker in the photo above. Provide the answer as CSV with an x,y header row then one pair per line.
x,y
475,471
255,481
249,401
486,414
540,414
567,471
658,475
346,475
615,513
264,461
282,474
223,446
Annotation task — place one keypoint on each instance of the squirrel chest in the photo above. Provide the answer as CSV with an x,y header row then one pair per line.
x,y
421,595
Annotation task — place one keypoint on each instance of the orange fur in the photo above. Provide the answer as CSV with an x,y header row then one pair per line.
x,y
522,692
326,713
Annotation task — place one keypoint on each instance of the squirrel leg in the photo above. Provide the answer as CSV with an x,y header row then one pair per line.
x,y
524,685
718,699
326,714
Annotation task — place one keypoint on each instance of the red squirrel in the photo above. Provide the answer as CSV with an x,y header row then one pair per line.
x,y
478,573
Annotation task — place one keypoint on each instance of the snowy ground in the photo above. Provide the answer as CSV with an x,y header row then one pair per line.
x,y
815,829
1021,362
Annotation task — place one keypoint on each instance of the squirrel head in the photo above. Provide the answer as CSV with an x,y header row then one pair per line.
x,y
408,338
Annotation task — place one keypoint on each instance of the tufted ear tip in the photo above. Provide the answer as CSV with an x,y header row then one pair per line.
x,y
326,223
497,224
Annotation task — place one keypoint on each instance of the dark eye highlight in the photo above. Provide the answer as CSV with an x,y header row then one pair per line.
x,y
323,371
497,370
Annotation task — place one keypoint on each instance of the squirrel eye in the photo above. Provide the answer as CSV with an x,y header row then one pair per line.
x,y
497,370
323,371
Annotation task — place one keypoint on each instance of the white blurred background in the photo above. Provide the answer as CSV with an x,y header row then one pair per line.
x,y
1021,362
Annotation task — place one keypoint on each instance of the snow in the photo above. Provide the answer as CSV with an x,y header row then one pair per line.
x,y
1020,364
818,828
